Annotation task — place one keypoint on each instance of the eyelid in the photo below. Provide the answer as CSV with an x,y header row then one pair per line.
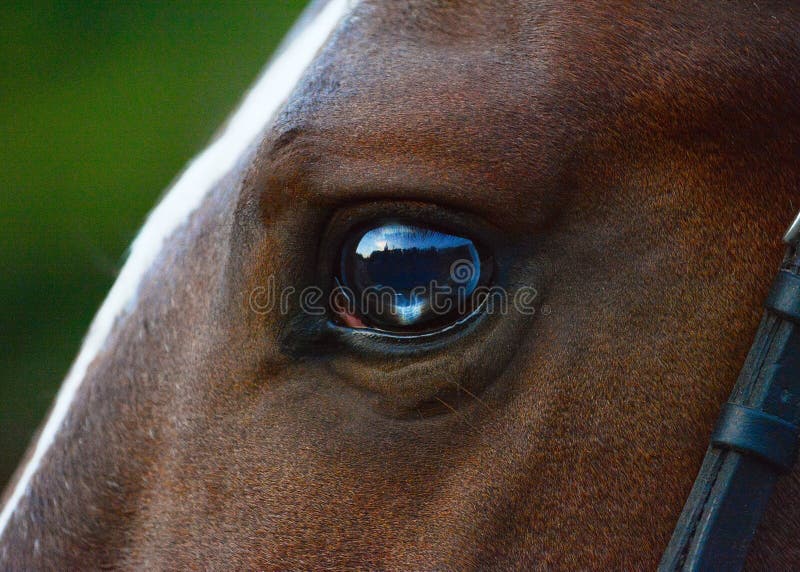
x,y
422,336
302,333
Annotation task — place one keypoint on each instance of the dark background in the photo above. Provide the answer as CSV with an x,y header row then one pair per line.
x,y
101,105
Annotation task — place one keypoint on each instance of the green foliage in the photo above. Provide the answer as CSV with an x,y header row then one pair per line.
x,y
101,105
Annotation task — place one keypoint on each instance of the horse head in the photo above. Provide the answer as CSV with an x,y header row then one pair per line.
x,y
630,168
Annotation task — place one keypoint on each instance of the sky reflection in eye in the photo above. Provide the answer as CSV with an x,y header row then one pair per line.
x,y
404,237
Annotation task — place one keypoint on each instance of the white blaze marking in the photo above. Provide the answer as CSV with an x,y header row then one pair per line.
x,y
261,103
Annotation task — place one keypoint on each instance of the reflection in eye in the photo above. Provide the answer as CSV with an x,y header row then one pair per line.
x,y
405,278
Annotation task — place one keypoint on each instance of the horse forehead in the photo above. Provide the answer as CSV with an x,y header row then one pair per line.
x,y
483,93
397,65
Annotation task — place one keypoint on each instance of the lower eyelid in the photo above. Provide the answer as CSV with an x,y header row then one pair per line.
x,y
477,312
380,342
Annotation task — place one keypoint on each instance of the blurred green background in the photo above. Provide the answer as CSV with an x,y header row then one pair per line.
x,y
103,103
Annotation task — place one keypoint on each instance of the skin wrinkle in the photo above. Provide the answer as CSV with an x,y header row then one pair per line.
x,y
640,161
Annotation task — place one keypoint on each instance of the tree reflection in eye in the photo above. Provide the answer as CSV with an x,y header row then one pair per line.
x,y
405,278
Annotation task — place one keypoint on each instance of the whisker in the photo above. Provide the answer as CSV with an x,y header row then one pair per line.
x,y
463,418
473,396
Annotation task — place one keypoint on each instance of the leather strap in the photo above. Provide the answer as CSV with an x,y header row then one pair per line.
x,y
756,440
753,432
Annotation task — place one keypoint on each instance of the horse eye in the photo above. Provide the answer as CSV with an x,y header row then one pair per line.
x,y
407,279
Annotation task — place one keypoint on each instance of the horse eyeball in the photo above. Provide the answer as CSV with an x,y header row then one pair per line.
x,y
405,278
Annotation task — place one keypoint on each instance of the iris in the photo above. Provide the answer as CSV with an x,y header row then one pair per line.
x,y
405,278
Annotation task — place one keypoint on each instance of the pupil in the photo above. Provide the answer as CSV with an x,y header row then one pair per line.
x,y
400,275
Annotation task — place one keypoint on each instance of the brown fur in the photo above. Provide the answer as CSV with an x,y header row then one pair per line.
x,y
636,162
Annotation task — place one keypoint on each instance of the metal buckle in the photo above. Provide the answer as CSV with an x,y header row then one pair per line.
x,y
793,234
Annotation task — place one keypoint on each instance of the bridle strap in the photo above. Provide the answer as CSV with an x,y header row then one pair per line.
x,y
755,440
